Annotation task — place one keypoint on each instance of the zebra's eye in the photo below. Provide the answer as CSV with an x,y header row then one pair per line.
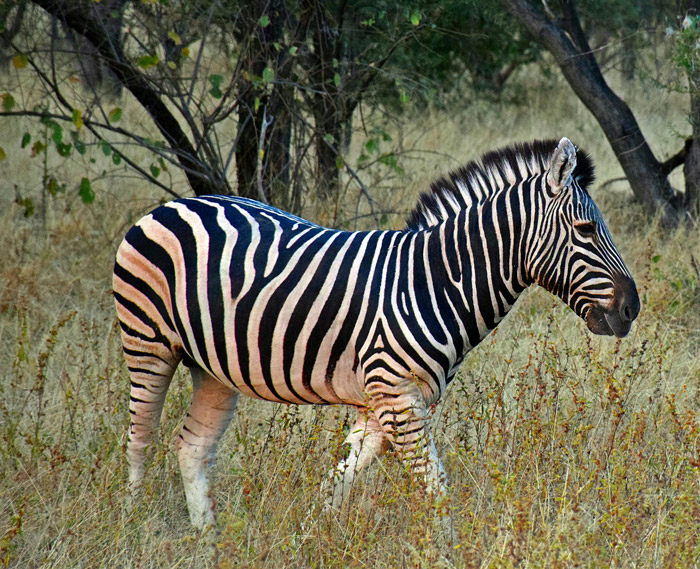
x,y
585,228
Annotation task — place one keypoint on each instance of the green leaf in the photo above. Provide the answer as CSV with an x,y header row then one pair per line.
x,y
115,115
264,20
336,79
57,134
29,209
293,51
147,61
2,154
116,159
215,90
8,102
37,148
155,171
26,139
20,61
63,149
86,192
339,162
329,138
390,160
77,119
371,145
106,148
77,143
53,187
415,18
175,37
656,258
268,75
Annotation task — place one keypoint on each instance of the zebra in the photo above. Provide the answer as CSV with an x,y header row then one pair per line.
x,y
260,302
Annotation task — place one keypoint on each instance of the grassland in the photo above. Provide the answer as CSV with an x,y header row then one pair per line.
x,y
563,449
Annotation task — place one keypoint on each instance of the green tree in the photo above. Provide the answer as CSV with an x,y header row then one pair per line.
x,y
285,76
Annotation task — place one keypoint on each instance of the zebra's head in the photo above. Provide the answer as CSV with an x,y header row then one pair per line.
x,y
573,255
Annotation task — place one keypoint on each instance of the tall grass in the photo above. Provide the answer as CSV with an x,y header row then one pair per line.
x,y
563,449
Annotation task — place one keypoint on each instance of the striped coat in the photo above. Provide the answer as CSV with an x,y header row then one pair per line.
x,y
259,302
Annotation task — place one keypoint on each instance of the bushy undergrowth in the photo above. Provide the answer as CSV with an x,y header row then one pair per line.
x,y
563,449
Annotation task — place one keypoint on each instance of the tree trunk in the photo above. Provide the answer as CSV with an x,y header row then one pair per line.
x,y
575,59
691,167
263,166
327,100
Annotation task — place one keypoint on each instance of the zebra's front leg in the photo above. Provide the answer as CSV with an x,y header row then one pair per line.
x,y
212,408
367,441
406,422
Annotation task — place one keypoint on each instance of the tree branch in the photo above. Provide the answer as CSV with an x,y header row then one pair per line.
x,y
671,163
82,20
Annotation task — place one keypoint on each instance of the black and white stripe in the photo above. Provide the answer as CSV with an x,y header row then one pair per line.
x,y
260,302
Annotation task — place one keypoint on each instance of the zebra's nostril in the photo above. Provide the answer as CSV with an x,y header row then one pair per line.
x,y
627,313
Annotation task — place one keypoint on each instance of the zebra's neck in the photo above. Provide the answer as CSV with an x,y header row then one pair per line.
x,y
475,267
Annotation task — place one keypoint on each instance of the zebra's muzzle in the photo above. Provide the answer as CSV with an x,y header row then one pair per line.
x,y
616,318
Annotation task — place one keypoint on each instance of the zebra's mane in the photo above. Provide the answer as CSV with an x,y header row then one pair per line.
x,y
473,183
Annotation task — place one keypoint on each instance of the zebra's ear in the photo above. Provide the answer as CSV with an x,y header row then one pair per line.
x,y
562,165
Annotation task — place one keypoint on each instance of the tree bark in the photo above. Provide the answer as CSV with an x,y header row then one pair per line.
x,y
84,20
691,168
575,59
327,105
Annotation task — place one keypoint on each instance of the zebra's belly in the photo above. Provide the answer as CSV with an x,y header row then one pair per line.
x,y
299,379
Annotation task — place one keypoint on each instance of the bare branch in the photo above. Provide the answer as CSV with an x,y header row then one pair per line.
x,y
671,163
82,21
261,153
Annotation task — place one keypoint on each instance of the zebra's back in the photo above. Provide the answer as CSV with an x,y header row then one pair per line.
x,y
266,302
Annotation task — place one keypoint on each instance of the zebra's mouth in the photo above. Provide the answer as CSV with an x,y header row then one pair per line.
x,y
597,322
617,316
607,322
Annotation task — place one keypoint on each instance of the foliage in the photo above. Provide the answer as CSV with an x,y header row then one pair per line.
x,y
686,53
230,87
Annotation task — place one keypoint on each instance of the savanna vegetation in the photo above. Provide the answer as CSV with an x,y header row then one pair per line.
x,y
562,449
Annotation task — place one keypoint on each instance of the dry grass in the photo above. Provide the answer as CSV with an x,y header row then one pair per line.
x,y
563,450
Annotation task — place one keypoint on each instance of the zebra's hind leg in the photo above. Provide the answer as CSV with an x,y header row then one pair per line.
x,y
150,379
212,408
367,441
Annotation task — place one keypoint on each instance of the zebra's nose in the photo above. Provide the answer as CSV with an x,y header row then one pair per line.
x,y
628,302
